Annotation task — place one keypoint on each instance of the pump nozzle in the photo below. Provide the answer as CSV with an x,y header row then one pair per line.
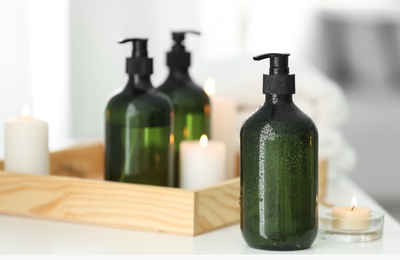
x,y
278,62
178,57
179,37
278,81
139,63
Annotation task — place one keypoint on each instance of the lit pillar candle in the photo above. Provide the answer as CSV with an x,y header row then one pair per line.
x,y
26,144
351,218
223,124
202,163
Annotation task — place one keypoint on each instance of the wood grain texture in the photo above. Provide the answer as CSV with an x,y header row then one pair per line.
x,y
322,179
84,161
140,207
217,206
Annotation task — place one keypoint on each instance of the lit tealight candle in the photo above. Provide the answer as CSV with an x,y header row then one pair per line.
x,y
223,123
26,144
202,163
351,218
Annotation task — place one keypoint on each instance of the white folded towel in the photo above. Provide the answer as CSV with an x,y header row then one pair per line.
x,y
341,163
320,97
331,141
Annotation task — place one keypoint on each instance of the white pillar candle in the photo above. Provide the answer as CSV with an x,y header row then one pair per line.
x,y
26,144
202,163
351,218
223,124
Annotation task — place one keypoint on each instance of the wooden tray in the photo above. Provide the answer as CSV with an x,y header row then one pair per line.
x,y
76,192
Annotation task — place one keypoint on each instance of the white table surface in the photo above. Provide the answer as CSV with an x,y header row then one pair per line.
x,y
20,235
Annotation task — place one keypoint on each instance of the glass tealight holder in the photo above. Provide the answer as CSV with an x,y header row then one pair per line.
x,y
349,230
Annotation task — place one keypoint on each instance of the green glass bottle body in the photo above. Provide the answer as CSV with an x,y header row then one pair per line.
x,y
191,110
138,135
279,176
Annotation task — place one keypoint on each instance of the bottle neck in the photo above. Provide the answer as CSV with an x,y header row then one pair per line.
x,y
277,99
141,82
179,73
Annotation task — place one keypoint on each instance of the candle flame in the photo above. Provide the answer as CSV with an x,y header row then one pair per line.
x,y
203,140
353,202
209,86
25,110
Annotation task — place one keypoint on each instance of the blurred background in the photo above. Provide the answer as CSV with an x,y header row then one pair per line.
x,y
63,60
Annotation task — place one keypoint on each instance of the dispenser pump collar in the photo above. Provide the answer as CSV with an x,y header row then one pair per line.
x,y
178,57
139,63
278,81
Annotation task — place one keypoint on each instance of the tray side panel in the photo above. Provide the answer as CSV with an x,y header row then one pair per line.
x,y
217,206
83,161
139,207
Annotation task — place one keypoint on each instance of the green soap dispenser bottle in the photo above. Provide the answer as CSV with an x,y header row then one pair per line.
x,y
278,167
191,103
139,126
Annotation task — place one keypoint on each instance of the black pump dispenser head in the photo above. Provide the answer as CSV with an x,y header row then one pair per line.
x,y
139,63
178,57
278,81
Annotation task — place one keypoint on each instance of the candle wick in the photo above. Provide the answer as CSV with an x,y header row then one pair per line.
x,y
353,208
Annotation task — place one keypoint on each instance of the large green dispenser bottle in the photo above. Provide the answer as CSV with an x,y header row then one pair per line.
x,y
279,167
191,103
139,126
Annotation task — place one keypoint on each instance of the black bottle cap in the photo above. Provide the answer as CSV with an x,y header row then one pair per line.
x,y
278,81
178,57
139,63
